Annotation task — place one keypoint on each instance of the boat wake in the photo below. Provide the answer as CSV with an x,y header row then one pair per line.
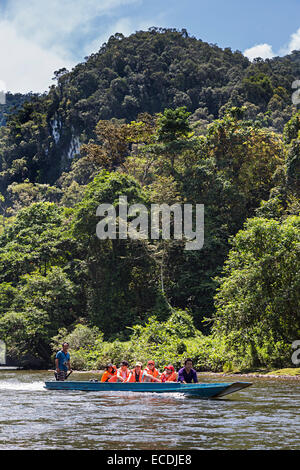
x,y
21,386
141,395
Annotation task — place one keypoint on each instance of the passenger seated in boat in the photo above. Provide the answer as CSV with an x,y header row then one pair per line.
x,y
169,374
110,372
187,374
122,373
150,373
136,374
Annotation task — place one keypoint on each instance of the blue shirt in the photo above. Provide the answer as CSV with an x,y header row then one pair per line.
x,y
63,359
183,376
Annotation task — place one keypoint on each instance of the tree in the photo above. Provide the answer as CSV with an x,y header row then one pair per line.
x,y
259,293
248,157
35,240
173,125
25,193
40,307
291,137
121,275
111,147
258,88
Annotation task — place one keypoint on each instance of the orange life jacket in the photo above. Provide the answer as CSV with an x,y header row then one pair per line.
x,y
171,378
154,372
108,375
121,372
131,377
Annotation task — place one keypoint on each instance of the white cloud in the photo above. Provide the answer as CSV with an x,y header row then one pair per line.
x,y
264,51
293,45
45,19
39,36
24,65
295,41
3,86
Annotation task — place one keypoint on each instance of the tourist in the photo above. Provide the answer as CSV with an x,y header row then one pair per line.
x,y
122,373
169,374
150,373
111,371
136,373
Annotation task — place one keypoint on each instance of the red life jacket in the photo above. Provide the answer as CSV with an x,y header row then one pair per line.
x,y
171,378
132,376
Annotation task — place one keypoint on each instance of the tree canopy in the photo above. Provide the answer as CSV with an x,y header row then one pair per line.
x,y
161,118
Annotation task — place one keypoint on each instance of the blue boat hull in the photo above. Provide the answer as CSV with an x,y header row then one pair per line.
x,y
202,390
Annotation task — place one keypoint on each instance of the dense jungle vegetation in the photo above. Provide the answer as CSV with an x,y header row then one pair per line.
x,y
159,117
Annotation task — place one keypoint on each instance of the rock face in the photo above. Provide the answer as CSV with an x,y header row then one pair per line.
x,y
56,130
74,148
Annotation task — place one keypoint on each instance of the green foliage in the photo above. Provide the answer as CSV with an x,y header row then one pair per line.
x,y
121,279
258,297
26,193
7,294
292,128
82,336
173,124
229,171
146,72
34,240
258,88
291,136
162,341
159,117
12,103
39,307
168,342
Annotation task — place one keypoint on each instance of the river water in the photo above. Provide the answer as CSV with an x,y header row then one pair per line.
x,y
264,416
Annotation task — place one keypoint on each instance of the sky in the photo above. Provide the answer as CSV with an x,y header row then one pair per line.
x,y
38,37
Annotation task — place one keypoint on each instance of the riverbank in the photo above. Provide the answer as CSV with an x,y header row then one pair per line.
x,y
265,375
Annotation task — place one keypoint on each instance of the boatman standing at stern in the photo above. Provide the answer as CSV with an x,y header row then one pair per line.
x,y
62,362
187,374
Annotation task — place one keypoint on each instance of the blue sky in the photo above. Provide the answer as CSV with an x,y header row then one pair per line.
x,y
40,36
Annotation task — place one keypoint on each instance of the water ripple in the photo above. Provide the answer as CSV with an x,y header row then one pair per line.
x,y
264,416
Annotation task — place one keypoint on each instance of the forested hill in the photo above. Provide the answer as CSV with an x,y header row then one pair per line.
x,y
159,117
146,72
13,102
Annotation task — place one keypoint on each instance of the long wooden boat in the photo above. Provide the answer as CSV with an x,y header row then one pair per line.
x,y
202,390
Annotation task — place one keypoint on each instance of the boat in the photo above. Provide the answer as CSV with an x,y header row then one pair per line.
x,y
201,390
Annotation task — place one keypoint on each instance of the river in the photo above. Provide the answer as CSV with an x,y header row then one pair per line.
x,y
264,416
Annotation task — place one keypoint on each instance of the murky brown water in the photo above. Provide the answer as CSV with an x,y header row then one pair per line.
x,y
264,416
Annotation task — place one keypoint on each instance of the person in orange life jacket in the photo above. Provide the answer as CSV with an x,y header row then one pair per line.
x,y
169,374
136,373
150,374
111,371
122,373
